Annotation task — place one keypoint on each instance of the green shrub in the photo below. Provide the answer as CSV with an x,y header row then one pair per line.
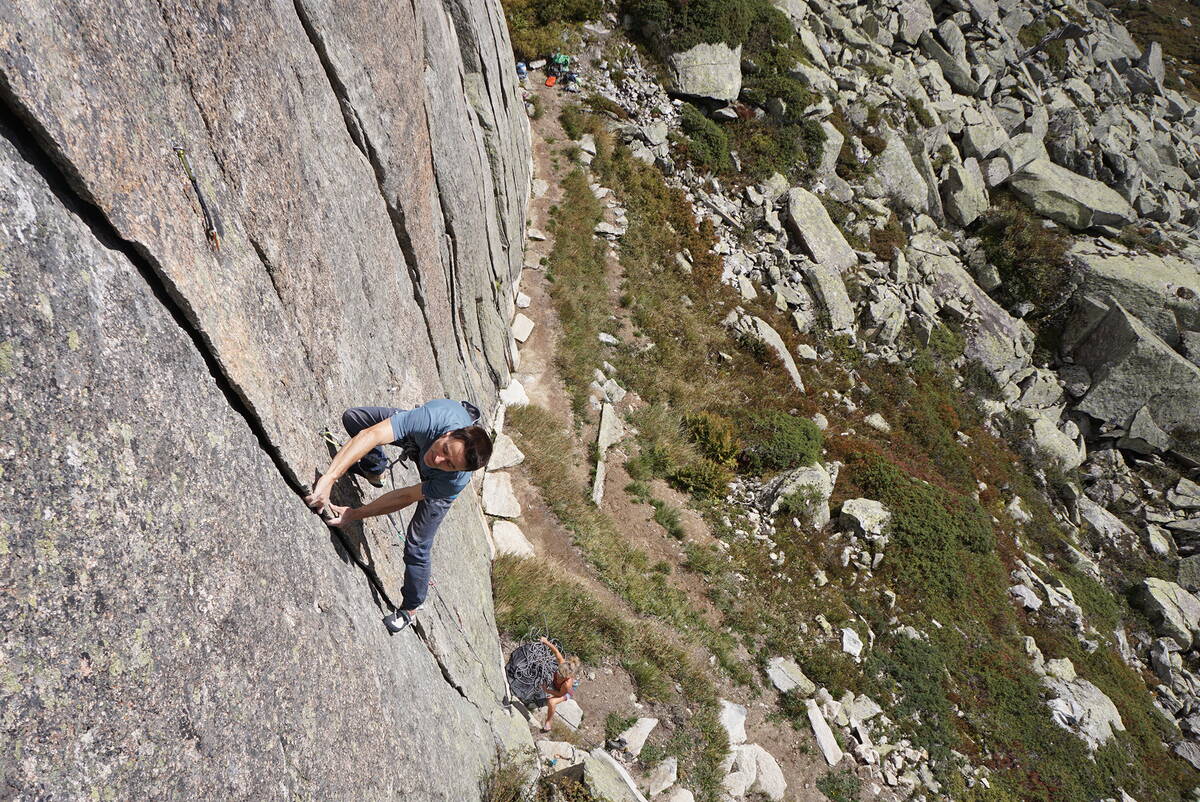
x,y
708,144
540,27
702,478
798,502
888,238
704,560
795,95
714,435
777,441
615,724
507,781
1030,258
931,528
602,105
920,111
914,673
1032,33
765,148
668,518
840,786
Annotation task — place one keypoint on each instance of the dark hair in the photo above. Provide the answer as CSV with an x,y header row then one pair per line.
x,y
477,445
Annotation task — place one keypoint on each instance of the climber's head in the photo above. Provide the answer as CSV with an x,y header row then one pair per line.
x,y
466,449
568,668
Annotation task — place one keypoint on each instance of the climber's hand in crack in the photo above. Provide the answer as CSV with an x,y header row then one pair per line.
x,y
319,498
335,515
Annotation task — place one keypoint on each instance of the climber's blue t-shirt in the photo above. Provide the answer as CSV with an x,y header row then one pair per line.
x,y
423,425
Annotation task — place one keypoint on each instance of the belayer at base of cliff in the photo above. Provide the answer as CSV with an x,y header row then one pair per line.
x,y
445,441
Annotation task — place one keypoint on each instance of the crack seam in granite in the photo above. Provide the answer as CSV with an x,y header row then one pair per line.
x,y
403,241
360,137
36,146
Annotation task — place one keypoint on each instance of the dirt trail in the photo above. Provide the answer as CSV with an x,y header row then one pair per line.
x,y
608,688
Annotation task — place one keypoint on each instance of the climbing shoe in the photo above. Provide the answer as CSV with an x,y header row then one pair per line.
x,y
373,479
397,621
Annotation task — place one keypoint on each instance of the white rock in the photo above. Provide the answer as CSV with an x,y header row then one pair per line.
x,y
498,496
570,713
733,719
635,737
664,776
851,643
864,709
514,394
522,300
737,783
677,794
607,338
559,754
522,327
1026,596
865,516
505,453
787,677
877,422
810,224
509,539
611,429
1082,708
768,778
535,234
829,745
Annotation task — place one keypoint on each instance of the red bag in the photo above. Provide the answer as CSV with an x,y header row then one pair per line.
x,y
552,80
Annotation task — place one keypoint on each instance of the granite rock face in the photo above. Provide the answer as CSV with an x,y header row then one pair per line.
x,y
181,624
707,70
1135,375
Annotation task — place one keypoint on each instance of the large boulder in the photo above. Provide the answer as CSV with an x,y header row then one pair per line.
x,y
1079,706
140,619
964,192
757,329
899,177
608,780
787,677
812,227
707,70
1069,198
1173,611
997,340
1161,291
813,484
1134,371
830,291
175,355
915,18
954,67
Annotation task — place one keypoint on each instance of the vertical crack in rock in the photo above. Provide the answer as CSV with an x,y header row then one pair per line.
x,y
272,274
28,137
30,140
358,133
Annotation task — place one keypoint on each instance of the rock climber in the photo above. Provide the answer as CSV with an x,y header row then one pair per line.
x,y
445,441
562,685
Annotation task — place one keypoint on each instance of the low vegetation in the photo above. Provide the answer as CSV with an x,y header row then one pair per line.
x,y
576,272
964,684
541,27
1030,258
531,598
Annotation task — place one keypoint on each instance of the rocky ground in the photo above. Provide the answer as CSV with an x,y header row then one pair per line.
x,y
938,121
